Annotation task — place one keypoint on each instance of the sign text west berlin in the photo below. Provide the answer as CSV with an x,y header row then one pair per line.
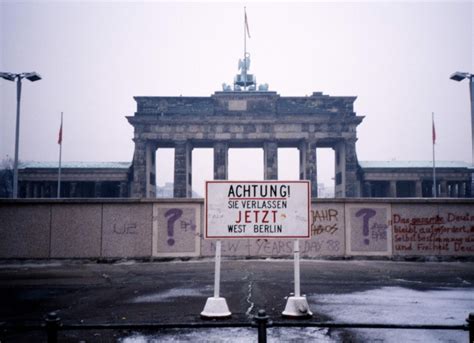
x,y
257,209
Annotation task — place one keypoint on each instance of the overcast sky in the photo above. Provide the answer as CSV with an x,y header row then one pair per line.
x,y
396,57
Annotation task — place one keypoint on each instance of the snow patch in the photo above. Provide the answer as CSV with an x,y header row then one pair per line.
x,y
125,263
168,295
408,281
235,335
398,305
464,281
249,296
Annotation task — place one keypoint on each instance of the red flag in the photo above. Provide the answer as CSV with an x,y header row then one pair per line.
x,y
246,24
434,133
60,136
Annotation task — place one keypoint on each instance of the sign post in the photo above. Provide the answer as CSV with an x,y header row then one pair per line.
x,y
216,307
297,305
296,250
257,209
217,273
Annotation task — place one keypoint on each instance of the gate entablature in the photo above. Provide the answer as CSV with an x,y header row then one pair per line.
x,y
222,103
244,119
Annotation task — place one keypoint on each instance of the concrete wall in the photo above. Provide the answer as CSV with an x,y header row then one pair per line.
x,y
170,228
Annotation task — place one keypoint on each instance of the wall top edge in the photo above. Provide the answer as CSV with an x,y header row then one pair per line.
x,y
314,201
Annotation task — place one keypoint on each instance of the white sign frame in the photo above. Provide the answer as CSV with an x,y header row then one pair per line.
x,y
301,197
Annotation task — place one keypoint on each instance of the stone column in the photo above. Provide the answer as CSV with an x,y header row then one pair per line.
x,y
123,190
340,165
452,189
443,189
308,163
302,151
41,189
35,190
367,189
73,190
143,183
468,189
462,190
270,160
182,170
418,189
54,190
151,170
221,161
139,181
393,189
346,169
47,190
98,189
29,189
351,168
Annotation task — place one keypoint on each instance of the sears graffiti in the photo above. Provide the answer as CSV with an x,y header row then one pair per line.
x,y
285,248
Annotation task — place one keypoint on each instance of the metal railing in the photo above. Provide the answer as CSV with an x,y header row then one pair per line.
x,y
53,325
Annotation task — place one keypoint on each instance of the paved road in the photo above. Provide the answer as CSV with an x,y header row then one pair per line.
x,y
176,291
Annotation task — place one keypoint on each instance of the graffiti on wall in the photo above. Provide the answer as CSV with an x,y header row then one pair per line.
x,y
327,236
327,231
369,228
417,230
125,228
229,247
175,229
311,247
428,230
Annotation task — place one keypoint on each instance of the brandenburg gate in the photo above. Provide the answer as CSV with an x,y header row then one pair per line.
x,y
243,119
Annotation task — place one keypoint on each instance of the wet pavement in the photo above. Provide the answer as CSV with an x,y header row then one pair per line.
x,y
176,291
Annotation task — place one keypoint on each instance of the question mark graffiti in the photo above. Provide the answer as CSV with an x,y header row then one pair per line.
x,y
172,215
366,214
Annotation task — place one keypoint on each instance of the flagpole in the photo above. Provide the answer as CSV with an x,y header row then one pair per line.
x,y
435,189
245,48
60,141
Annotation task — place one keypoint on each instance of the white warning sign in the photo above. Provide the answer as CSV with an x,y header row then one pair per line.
x,y
257,209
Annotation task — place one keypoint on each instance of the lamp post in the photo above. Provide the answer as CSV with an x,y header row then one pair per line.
x,y
459,76
32,76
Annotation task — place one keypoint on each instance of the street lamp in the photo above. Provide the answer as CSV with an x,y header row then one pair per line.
x,y
459,76
33,76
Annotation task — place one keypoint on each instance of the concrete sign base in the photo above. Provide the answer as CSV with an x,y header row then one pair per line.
x,y
216,308
297,307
